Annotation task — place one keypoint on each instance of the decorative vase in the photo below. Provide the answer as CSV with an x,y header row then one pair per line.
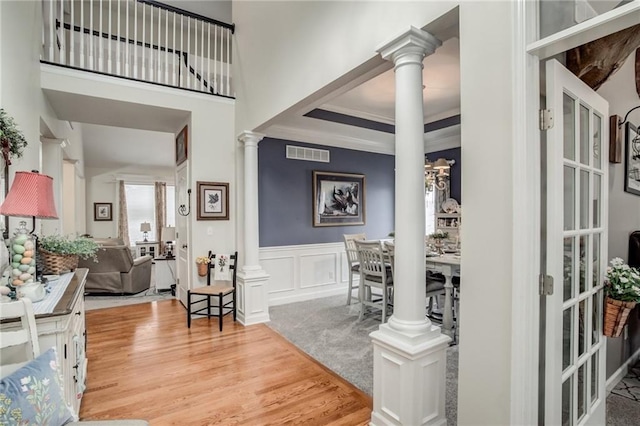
x,y
23,256
202,269
616,314
439,243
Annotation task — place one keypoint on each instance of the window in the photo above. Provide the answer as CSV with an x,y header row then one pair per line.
x,y
141,208
430,209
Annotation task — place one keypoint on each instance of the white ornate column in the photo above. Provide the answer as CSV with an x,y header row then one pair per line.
x,y
409,353
252,300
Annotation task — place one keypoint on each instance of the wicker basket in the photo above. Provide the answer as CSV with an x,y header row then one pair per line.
x,y
616,314
54,263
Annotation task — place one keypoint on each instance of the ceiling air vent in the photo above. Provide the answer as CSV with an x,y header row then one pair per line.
x,y
308,154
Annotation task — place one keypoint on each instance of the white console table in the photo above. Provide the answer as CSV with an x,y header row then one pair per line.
x,y
151,248
165,272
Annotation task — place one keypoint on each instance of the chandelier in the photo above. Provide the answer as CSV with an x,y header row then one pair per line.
x,y
436,174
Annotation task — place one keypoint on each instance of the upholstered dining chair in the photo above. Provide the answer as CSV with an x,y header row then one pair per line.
x,y
220,289
375,272
352,258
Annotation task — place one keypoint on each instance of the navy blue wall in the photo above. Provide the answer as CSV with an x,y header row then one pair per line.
x,y
285,194
455,178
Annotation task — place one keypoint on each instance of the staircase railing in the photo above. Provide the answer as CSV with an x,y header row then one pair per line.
x,y
141,40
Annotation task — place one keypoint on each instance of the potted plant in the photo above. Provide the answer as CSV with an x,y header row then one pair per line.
x,y
60,253
622,290
202,262
438,237
12,141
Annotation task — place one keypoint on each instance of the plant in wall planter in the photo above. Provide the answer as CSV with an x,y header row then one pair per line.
x,y
202,262
12,141
622,290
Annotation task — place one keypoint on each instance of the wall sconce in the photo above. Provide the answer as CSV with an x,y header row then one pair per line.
x,y
615,136
436,174
183,210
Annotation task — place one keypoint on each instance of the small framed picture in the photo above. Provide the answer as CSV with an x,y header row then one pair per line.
x,y
213,201
102,212
632,160
182,146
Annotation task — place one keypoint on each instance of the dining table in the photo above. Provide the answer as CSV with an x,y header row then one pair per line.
x,y
448,265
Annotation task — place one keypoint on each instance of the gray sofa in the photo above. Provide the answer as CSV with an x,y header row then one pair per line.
x,y
116,271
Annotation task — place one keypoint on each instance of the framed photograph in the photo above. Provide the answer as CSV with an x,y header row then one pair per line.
x,y
182,146
102,212
213,201
338,199
632,160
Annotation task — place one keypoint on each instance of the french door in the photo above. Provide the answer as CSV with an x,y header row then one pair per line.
x,y
576,250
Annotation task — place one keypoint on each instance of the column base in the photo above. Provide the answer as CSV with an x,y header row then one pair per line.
x,y
252,299
409,377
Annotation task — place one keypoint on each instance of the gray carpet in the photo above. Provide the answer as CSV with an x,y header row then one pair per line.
x,y
623,403
329,331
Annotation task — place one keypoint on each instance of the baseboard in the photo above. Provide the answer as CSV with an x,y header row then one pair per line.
x,y
616,377
309,296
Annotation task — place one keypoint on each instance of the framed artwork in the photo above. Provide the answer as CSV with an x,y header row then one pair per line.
x,y
632,160
102,212
213,201
338,199
182,146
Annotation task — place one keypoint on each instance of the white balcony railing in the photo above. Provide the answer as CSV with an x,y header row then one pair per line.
x,y
139,39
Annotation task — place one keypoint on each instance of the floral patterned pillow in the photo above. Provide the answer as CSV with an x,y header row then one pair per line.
x,y
33,394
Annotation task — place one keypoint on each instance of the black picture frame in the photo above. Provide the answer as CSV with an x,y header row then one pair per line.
x,y
102,212
338,199
213,201
182,146
632,160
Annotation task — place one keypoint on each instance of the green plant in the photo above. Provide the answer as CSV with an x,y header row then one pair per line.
x,y
439,235
83,247
12,141
623,282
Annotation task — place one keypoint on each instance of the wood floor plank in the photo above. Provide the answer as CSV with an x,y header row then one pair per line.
x,y
145,363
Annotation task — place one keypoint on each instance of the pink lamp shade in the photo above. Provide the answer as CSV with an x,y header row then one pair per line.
x,y
31,195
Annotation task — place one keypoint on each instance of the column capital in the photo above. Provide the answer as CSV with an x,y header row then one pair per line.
x,y
247,137
414,41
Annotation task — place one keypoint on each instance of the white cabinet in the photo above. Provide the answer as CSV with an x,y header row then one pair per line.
x,y
151,248
449,222
64,328
165,272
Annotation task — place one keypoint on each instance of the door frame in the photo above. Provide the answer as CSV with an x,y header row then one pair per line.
x,y
527,53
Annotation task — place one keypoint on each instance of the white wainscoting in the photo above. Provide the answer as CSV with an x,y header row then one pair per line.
x,y
305,272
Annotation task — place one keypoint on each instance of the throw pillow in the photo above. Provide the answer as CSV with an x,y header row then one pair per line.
x,y
32,395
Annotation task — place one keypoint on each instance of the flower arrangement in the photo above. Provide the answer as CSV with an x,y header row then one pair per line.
x,y
12,141
623,282
439,235
202,260
82,247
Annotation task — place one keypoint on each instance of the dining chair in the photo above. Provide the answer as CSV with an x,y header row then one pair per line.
x,y
220,289
352,258
375,272
433,287
26,336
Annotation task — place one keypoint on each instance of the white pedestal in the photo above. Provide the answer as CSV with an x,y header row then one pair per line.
x,y
252,300
408,378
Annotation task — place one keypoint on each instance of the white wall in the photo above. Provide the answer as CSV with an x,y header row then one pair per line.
x,y
325,47
624,207
212,146
20,30
486,315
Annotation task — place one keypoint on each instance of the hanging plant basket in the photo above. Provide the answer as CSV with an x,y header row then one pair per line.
x,y
202,269
616,313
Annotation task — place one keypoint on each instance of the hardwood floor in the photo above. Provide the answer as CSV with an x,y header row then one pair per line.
x,y
145,363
